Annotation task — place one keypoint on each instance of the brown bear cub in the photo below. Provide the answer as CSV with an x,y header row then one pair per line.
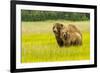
x,y
71,35
56,29
67,36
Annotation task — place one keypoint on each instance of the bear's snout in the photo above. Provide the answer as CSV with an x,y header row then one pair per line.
x,y
65,36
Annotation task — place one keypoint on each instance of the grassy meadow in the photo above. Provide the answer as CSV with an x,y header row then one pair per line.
x,y
39,43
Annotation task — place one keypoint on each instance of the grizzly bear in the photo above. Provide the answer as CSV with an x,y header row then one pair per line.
x,y
71,35
56,29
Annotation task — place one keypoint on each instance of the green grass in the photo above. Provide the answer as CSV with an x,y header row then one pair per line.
x,y
39,43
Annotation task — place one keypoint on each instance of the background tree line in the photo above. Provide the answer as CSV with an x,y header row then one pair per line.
x,y
32,15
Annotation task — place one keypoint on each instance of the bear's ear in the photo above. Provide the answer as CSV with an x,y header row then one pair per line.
x,y
62,25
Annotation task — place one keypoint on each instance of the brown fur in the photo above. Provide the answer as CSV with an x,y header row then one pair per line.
x,y
56,29
71,35
73,28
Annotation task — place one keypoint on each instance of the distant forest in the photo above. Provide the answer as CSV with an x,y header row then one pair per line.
x,y
34,15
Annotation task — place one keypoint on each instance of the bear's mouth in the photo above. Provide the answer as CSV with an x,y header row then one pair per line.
x,y
65,37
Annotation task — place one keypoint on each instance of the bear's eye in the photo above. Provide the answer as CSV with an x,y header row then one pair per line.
x,y
56,32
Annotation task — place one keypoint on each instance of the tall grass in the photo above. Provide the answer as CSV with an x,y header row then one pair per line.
x,y
39,43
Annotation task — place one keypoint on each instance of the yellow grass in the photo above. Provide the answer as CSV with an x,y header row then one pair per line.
x,y
39,43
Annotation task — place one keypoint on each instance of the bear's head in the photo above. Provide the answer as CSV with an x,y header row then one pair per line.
x,y
64,34
56,29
